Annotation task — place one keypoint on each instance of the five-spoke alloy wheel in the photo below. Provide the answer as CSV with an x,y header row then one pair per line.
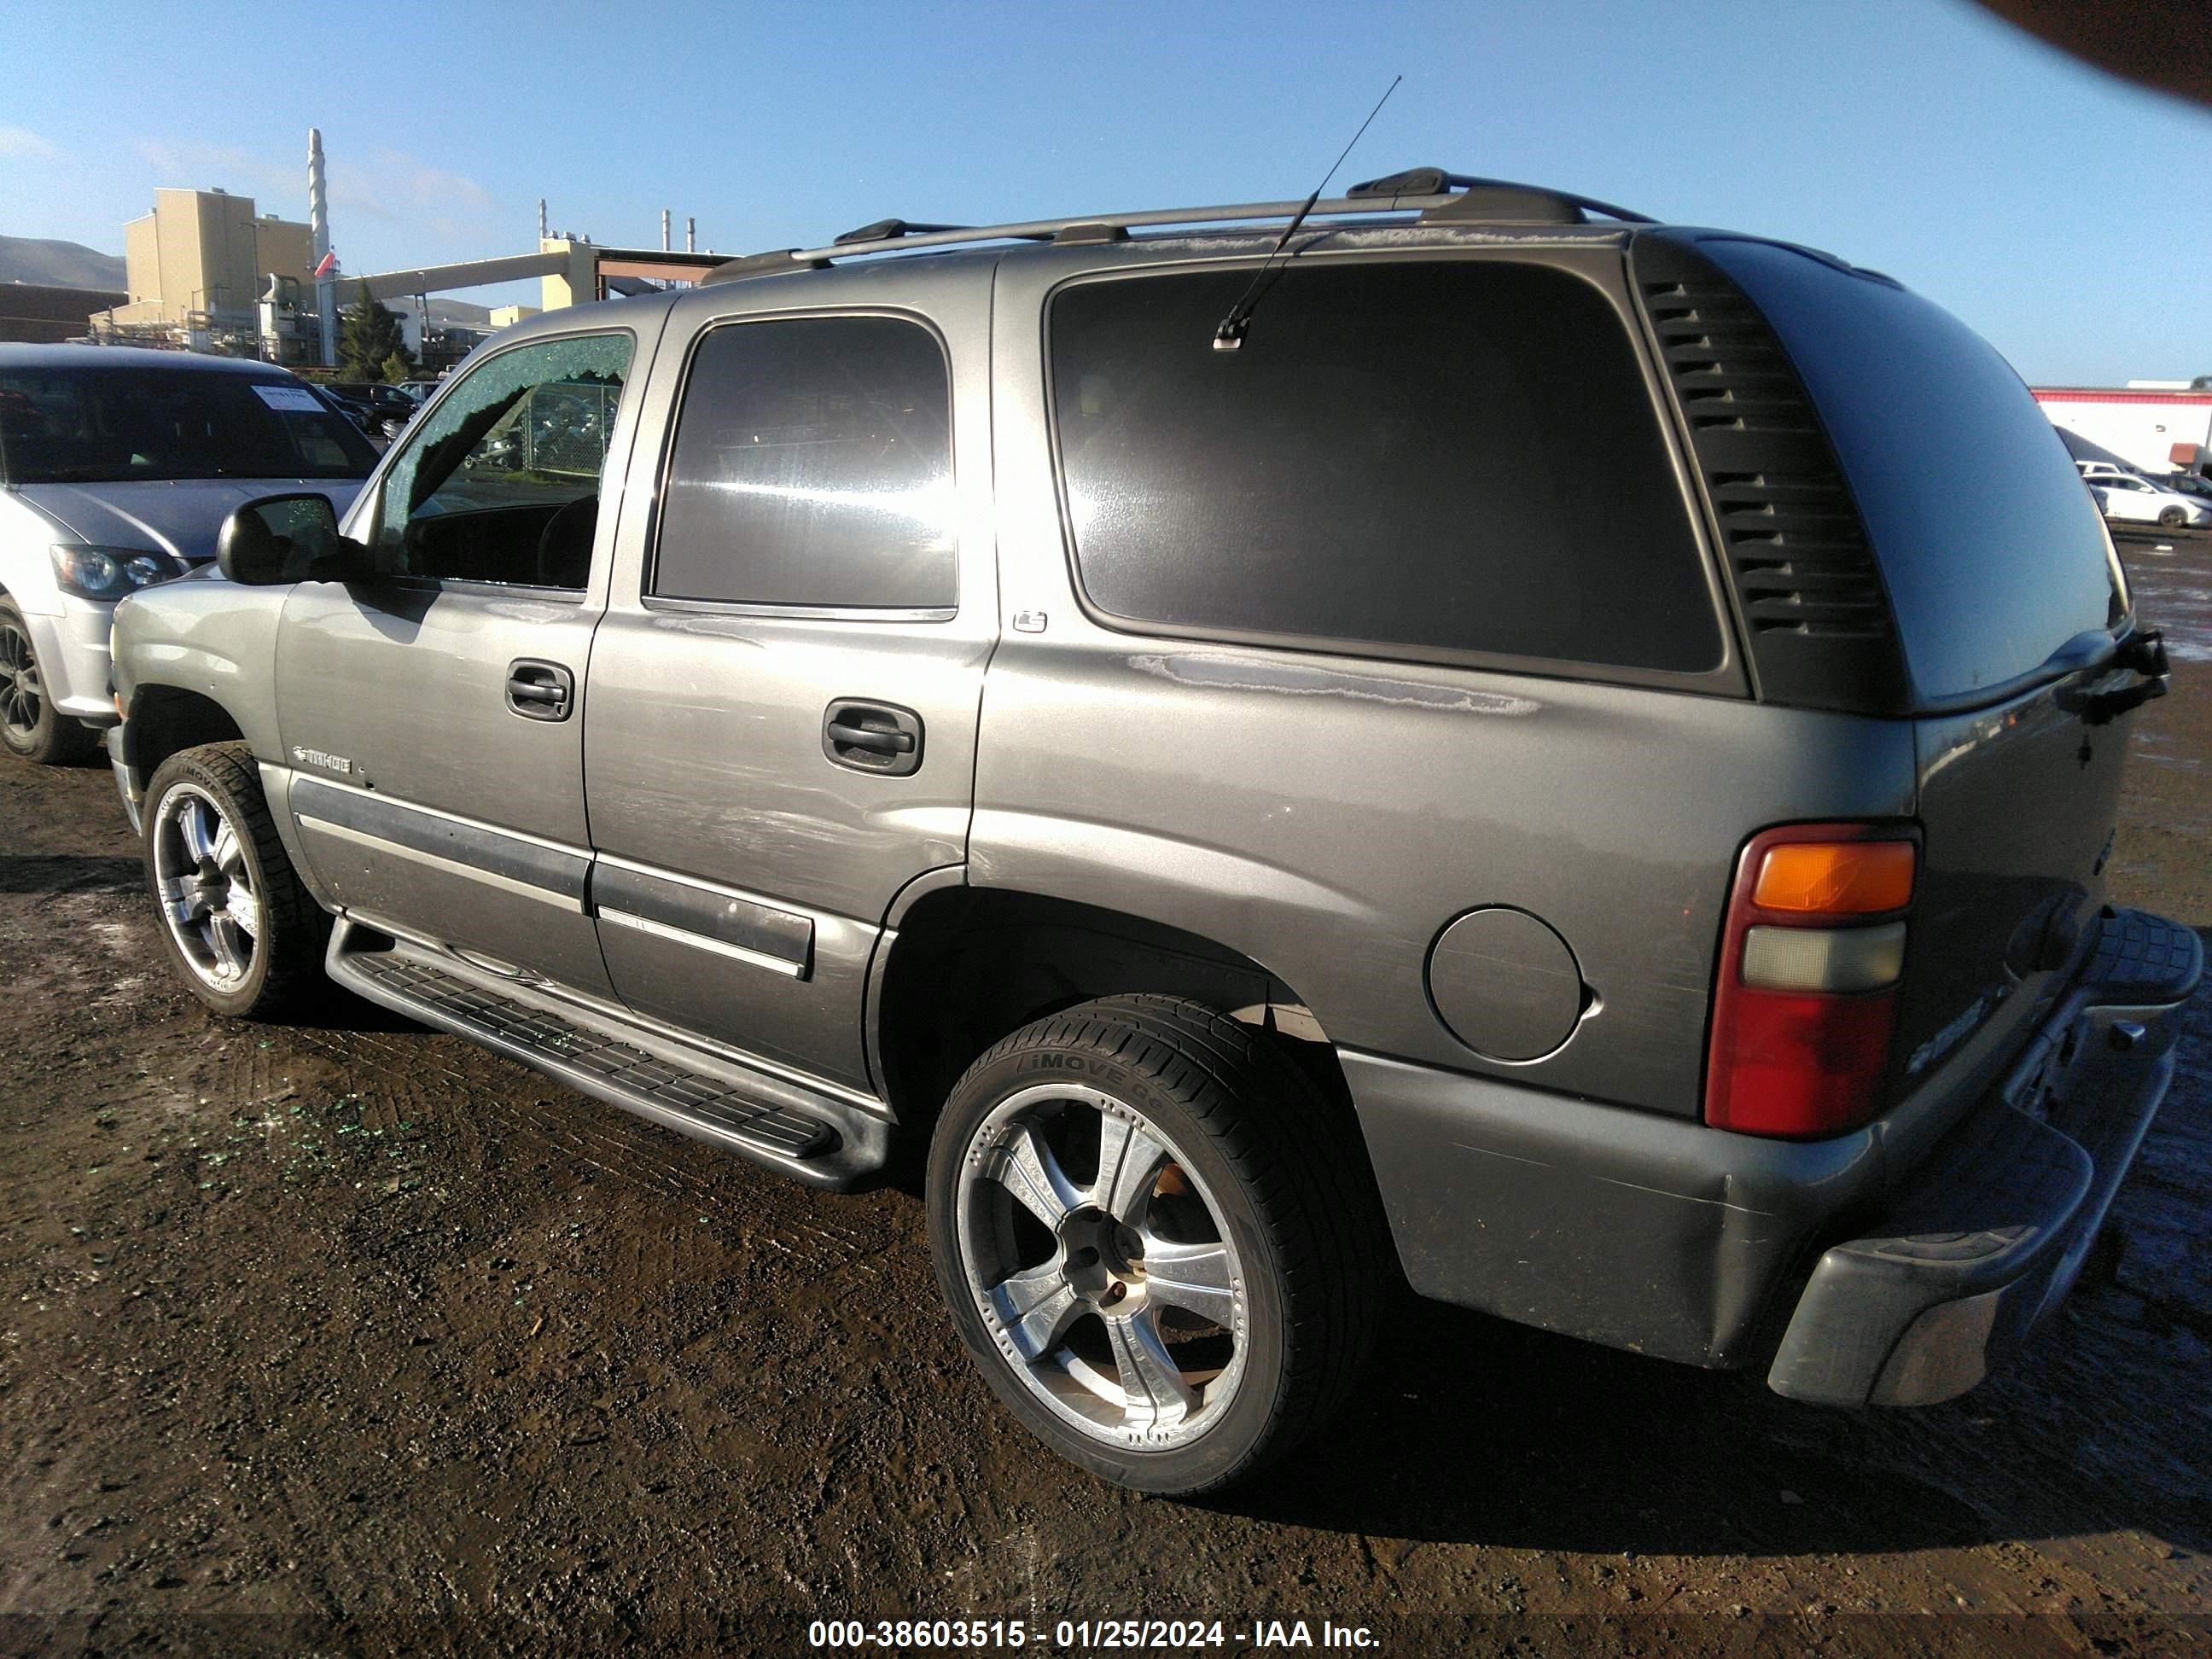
x,y
1158,1239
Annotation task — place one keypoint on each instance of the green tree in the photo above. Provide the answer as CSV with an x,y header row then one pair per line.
x,y
369,334
397,368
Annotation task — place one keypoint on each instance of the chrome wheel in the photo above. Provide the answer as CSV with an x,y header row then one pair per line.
x,y
22,693
1100,1267
205,887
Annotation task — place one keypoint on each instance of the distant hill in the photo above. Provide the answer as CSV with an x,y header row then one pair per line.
x,y
61,264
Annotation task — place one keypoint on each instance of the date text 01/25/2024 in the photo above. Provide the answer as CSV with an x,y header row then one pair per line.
x,y
1088,1634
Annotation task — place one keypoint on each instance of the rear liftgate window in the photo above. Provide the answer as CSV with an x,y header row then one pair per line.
x,y
1991,548
813,467
1450,457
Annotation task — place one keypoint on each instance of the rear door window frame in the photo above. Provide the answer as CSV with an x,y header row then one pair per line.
x,y
649,565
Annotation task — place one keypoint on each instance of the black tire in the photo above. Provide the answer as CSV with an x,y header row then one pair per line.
x,y
2172,518
284,969
1284,1166
31,727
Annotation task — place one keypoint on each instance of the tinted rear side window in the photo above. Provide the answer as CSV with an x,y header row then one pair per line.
x,y
1448,458
1992,549
813,466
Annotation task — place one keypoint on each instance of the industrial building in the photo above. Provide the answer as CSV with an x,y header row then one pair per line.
x,y
201,261
2155,425
43,314
205,272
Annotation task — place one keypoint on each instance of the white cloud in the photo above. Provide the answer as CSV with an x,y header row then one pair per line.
x,y
21,145
189,165
403,189
424,211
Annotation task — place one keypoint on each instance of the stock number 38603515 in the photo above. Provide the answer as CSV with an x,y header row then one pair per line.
x,y
1082,1633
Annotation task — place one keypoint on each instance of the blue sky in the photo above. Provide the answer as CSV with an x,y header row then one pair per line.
x,y
2063,214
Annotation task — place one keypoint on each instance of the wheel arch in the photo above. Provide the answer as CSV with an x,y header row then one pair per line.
x,y
33,597
965,966
167,719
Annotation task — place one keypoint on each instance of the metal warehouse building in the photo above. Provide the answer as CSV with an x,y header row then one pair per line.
x,y
2155,427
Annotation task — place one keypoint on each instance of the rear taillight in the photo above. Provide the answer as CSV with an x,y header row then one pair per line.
x,y
1805,997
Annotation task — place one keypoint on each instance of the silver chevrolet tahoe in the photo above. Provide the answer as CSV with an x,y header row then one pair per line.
x,y
1463,736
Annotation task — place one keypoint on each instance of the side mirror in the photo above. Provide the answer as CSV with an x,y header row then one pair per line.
x,y
286,538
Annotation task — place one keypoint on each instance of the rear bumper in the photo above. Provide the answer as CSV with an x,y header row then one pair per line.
x,y
1659,1235
1984,1240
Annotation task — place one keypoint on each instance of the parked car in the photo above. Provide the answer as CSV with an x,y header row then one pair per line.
x,y
2194,485
2129,497
365,419
2095,470
380,410
1160,722
118,467
387,403
419,391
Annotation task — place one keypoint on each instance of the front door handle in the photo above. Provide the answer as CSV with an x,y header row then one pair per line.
x,y
872,737
540,690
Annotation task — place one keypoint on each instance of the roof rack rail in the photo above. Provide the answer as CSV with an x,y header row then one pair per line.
x,y
891,230
883,230
1494,199
1432,193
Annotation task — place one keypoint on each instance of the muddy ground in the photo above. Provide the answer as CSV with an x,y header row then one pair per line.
x,y
345,1336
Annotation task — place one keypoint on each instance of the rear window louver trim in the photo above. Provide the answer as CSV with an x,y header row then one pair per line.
x,y
1817,622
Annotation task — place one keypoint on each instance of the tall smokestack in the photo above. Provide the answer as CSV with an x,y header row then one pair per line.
x,y
691,235
664,230
541,218
319,223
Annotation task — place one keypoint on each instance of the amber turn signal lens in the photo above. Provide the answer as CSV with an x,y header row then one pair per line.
x,y
1835,877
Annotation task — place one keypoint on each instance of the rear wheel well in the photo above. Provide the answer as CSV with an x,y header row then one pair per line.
x,y
165,719
968,967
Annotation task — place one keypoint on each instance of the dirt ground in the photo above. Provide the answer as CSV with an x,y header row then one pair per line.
x,y
349,1337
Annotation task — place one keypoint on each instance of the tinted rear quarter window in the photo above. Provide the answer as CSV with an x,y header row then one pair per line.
x,y
812,467
1440,458
1989,546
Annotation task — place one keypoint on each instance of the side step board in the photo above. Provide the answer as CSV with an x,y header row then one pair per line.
x,y
804,1132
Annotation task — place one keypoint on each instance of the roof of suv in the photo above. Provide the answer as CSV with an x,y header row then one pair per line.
x,y
1422,196
1345,224
1423,207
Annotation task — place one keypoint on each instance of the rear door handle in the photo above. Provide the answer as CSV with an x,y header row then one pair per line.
x,y
540,690
872,737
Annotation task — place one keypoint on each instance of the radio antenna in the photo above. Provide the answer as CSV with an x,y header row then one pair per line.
x,y
1229,337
